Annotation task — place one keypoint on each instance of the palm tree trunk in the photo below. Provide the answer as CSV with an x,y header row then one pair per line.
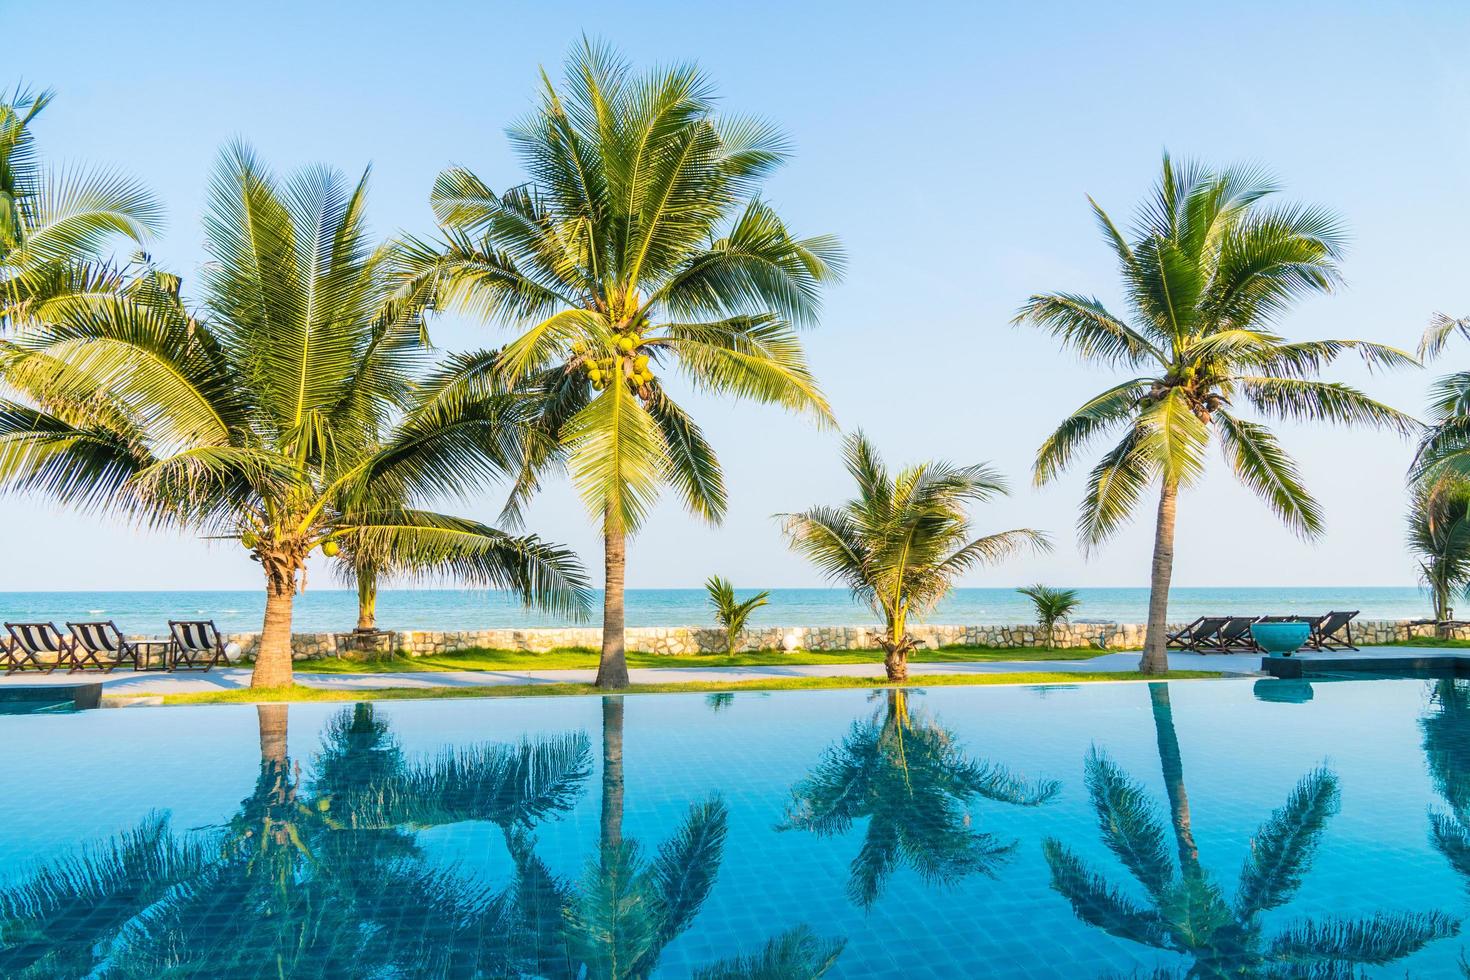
x,y
612,669
272,720
273,659
1173,765
1155,658
895,649
896,662
367,600
612,773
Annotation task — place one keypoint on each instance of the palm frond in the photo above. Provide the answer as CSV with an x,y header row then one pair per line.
x,y
1097,903
1083,324
421,544
797,954
1130,826
1114,488
1174,438
1437,334
693,468
1381,939
1262,465
616,455
1283,848
1114,407
1316,401
759,358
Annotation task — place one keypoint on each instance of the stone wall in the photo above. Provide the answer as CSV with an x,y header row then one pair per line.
x,y
677,641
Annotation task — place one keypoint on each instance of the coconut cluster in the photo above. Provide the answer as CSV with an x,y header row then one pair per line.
x,y
627,363
1196,384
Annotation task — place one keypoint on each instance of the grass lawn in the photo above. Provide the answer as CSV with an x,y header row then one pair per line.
x,y
568,658
301,693
1430,641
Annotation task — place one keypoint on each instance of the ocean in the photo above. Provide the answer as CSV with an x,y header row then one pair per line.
x,y
330,610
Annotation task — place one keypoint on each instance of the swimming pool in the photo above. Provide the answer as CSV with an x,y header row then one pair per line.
x,y
1105,829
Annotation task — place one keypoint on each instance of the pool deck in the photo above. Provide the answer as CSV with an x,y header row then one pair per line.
x,y
129,683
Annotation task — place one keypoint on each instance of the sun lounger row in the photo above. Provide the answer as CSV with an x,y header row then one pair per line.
x,y
191,645
1232,634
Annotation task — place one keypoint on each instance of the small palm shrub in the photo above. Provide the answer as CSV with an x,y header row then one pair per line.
x,y
730,613
1053,606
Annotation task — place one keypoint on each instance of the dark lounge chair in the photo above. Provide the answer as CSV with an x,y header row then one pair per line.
x,y
1199,636
1333,631
101,644
1235,636
1181,639
195,644
29,642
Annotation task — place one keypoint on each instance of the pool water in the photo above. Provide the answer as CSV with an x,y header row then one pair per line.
x,y
1232,828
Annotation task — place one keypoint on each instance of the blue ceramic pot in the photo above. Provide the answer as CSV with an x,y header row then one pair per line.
x,y
1281,639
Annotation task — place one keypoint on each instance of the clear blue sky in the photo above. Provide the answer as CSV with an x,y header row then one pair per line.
x,y
949,145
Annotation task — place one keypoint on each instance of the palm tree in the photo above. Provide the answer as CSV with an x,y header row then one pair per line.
x,y
1189,913
1438,527
55,225
1440,476
289,411
1207,273
639,249
1052,606
911,779
731,613
903,540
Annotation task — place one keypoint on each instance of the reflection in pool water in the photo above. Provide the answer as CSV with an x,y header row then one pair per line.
x,y
910,779
1119,830
1186,910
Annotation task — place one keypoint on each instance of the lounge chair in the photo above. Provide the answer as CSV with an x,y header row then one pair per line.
x,y
97,642
1199,636
195,645
1234,637
1182,639
29,642
1333,631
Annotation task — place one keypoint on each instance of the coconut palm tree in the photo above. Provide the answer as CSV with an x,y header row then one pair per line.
x,y
55,225
903,540
637,251
1207,273
1188,912
1438,535
913,782
290,410
1052,606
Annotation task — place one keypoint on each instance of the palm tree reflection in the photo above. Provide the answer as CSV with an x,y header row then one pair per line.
x,y
912,780
309,876
1446,743
1186,910
618,917
323,874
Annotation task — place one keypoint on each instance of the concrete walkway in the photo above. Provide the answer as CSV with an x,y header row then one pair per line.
x,y
129,683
